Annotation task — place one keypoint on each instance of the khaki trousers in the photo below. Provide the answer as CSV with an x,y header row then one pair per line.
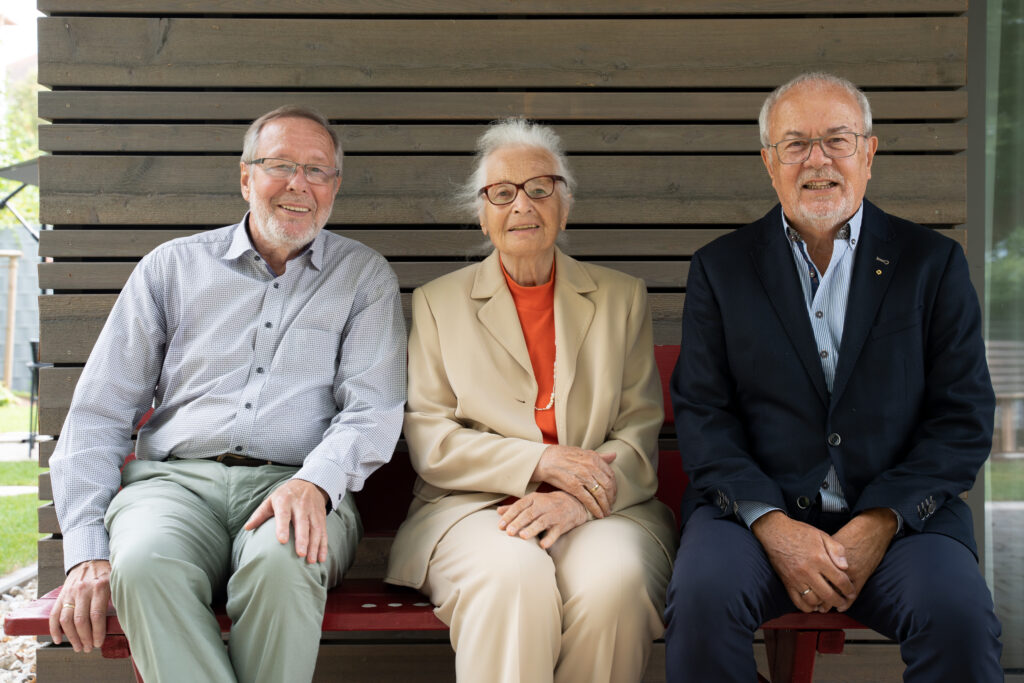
x,y
177,544
584,611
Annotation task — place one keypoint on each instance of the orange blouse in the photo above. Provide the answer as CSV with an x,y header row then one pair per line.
x,y
536,309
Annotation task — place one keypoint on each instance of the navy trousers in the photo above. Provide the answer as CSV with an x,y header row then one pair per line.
x,y
927,594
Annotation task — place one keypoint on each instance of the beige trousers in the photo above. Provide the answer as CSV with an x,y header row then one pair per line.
x,y
584,611
177,544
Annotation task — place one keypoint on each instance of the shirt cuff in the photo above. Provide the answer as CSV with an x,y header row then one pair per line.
x,y
749,511
899,523
85,543
327,476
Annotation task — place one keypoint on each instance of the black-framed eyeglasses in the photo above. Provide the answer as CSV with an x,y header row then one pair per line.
x,y
834,146
282,169
539,187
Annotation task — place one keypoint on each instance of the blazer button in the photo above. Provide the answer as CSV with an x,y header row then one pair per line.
x,y
834,439
803,502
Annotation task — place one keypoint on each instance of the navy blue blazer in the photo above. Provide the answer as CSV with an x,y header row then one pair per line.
x,y
909,421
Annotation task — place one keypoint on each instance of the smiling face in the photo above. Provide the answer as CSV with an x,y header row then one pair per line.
x,y
526,228
820,194
288,213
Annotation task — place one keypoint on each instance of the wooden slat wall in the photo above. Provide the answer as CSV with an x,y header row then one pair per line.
x,y
656,102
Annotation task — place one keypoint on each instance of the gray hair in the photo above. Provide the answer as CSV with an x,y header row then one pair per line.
x,y
513,132
295,111
819,77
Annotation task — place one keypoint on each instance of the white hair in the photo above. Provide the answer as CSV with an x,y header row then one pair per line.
x,y
818,77
514,132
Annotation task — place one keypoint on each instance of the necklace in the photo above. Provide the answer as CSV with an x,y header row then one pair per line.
x,y
551,401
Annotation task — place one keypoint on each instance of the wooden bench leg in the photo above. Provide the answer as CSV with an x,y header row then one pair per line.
x,y
791,655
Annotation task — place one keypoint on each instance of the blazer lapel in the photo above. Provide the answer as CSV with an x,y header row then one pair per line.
x,y
573,314
873,267
773,261
498,312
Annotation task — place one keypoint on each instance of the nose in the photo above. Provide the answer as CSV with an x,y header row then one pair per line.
x,y
817,157
522,201
298,181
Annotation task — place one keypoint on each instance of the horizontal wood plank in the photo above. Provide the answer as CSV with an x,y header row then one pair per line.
x,y
428,138
399,243
242,107
498,7
625,189
505,53
69,324
112,275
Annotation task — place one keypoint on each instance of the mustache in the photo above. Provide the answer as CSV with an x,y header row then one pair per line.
x,y
820,174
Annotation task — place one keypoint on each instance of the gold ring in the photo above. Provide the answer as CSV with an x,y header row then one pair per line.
x,y
595,487
69,605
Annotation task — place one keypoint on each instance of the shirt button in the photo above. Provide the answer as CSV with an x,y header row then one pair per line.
x,y
277,285
255,258
819,314
824,354
259,371
238,448
268,325
834,439
824,485
803,502
853,240
248,406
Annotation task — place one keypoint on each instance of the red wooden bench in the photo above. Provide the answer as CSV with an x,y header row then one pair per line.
x,y
364,603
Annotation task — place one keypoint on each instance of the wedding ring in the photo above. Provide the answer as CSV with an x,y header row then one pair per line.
x,y
595,487
69,605
803,593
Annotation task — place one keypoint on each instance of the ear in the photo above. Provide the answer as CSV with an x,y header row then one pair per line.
x,y
245,177
871,146
766,157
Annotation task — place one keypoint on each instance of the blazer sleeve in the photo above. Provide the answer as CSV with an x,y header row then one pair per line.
x,y
712,440
953,436
444,452
633,434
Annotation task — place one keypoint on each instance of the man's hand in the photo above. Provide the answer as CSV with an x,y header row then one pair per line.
x,y
80,612
303,505
585,475
806,558
552,514
866,537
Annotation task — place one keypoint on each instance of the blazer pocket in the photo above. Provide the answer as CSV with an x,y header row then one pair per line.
x,y
897,323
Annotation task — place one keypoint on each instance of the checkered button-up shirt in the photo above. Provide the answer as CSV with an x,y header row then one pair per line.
x,y
306,368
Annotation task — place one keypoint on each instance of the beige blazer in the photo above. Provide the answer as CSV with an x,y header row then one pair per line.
x,y
469,418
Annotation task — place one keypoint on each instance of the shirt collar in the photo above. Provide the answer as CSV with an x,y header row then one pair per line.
x,y
241,245
849,232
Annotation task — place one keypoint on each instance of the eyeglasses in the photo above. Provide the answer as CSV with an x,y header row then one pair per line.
x,y
283,169
834,146
540,187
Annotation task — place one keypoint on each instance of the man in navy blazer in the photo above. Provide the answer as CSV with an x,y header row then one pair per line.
x,y
832,403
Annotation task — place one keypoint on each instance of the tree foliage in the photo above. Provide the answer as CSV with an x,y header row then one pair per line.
x,y
19,141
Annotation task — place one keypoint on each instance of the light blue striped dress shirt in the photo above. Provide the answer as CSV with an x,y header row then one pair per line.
x,y
306,368
826,295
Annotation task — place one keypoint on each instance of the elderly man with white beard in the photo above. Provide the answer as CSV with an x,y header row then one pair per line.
x,y
832,402
273,356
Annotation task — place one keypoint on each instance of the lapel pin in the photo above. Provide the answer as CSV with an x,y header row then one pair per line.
x,y
882,260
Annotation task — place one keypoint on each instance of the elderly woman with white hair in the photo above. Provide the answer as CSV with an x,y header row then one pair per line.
x,y
532,421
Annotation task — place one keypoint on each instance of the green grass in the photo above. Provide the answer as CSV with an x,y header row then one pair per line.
x,y
1007,479
14,417
18,535
20,473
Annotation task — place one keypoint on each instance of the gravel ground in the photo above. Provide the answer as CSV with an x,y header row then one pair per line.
x,y
17,654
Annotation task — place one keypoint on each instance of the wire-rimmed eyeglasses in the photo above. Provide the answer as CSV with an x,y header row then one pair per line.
x,y
539,187
316,174
834,146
